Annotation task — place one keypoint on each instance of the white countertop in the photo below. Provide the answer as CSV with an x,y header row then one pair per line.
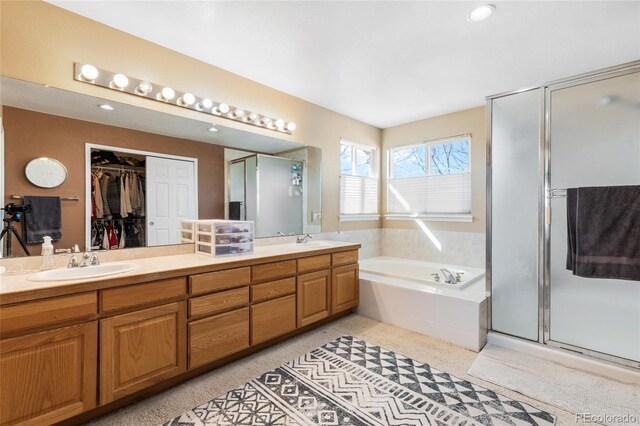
x,y
11,283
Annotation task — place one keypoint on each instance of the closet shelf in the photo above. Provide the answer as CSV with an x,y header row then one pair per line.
x,y
117,168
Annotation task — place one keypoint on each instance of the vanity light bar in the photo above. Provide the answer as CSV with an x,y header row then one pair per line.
x,y
87,73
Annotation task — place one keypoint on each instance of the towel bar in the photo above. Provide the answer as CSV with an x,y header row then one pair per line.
x,y
557,193
20,197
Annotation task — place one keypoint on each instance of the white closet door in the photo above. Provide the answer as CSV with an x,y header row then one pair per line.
x,y
171,198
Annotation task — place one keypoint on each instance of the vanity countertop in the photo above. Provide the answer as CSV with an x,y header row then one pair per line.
x,y
17,288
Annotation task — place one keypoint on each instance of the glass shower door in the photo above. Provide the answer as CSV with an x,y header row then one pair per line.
x,y
515,180
594,130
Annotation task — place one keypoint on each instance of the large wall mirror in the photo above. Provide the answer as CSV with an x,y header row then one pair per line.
x,y
106,175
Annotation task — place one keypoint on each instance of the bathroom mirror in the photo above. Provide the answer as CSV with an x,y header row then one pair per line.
x,y
134,173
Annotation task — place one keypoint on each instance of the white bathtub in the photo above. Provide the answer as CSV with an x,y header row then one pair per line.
x,y
402,292
419,271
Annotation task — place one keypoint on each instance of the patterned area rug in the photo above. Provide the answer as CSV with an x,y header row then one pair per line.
x,y
351,382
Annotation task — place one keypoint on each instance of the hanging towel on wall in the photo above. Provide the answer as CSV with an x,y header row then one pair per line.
x,y
45,218
603,225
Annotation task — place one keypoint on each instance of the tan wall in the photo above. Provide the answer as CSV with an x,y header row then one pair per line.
x,y
40,43
457,123
31,134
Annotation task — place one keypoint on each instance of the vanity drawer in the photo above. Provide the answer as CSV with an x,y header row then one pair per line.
x,y
272,319
219,302
272,290
272,271
214,338
344,258
219,280
28,315
309,264
116,299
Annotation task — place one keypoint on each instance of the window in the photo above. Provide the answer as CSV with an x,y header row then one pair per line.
x,y
430,179
358,182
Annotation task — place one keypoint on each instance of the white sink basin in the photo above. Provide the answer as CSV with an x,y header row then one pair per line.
x,y
68,274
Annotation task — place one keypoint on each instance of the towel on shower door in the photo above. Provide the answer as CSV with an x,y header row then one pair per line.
x,y
45,218
603,225
235,210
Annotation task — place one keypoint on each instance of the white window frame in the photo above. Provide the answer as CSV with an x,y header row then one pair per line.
x,y
441,217
373,173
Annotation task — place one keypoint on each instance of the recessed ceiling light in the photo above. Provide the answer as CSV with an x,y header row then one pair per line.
x,y
479,13
213,129
106,107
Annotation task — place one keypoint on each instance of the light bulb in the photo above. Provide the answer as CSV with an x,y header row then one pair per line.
x,y
166,94
481,12
265,121
238,113
187,99
253,117
291,126
144,88
204,104
280,123
223,108
120,81
89,72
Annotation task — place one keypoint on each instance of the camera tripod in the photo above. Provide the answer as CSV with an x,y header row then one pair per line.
x,y
9,232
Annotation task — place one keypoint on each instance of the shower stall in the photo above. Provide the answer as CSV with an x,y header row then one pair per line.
x,y
269,191
581,131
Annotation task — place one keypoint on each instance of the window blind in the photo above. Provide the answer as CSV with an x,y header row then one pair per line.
x,y
440,194
358,195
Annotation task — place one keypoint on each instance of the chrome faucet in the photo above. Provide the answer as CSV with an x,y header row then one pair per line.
x,y
73,260
90,258
300,239
449,278
436,277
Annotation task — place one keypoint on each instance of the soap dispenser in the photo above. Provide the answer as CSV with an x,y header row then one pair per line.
x,y
48,260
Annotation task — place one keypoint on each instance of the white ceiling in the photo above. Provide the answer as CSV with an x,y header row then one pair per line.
x,y
386,62
48,100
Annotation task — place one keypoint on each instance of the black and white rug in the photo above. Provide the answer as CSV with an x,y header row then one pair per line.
x,y
351,382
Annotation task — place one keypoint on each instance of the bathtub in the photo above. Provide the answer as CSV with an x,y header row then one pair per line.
x,y
403,292
419,271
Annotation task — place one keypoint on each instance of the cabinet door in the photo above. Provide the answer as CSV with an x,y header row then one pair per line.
x,y
49,376
141,348
272,319
314,297
344,288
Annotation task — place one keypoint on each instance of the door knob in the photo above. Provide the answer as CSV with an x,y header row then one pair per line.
x,y
152,223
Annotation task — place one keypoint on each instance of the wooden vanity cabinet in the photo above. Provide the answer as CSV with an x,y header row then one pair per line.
x,y
331,290
313,297
217,337
344,288
65,355
49,376
142,348
272,319
218,315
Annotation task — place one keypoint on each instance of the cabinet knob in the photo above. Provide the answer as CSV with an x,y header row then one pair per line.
x,y
152,223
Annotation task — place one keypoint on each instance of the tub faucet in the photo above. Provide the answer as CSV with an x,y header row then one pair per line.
x,y
300,239
449,278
